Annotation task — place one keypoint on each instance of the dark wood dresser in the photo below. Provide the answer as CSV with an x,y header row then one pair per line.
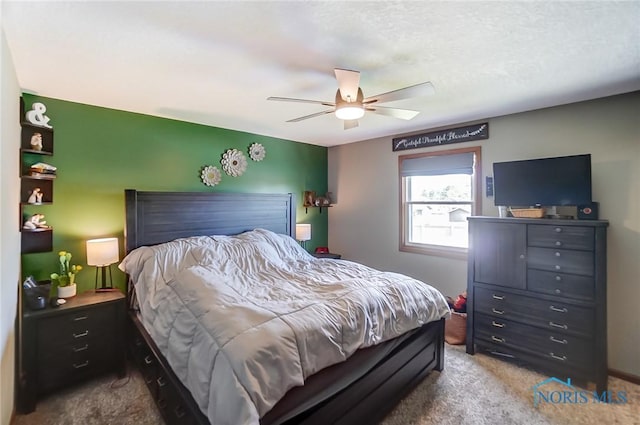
x,y
78,340
537,293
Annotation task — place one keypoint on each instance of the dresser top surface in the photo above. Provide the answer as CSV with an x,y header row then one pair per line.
x,y
542,221
85,299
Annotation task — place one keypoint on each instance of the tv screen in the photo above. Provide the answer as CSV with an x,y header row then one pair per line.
x,y
547,182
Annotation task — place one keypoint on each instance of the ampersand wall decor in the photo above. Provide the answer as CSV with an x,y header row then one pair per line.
x,y
37,117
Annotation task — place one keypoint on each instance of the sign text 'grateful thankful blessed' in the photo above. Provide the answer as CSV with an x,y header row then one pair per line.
x,y
443,137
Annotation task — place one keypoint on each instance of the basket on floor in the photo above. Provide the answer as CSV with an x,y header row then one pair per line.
x,y
455,328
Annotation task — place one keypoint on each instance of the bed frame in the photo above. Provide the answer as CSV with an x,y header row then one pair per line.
x,y
157,217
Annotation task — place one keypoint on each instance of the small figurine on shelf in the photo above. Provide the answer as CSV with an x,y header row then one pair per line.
x,y
35,197
35,222
36,142
309,198
323,201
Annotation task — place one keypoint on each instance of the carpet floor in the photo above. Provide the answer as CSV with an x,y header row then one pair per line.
x,y
471,390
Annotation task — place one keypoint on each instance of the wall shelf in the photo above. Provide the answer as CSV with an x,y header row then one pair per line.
x,y
35,141
320,207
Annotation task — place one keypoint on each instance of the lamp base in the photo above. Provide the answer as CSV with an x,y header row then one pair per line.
x,y
104,287
106,290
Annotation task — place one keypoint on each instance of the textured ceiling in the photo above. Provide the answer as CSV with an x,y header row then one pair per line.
x,y
215,63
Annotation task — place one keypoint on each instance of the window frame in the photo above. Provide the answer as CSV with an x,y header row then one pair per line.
x,y
476,203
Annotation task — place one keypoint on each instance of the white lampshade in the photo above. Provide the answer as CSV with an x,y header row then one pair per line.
x,y
303,232
102,252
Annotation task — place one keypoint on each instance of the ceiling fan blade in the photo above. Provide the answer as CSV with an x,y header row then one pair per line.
x,y
306,117
350,124
422,89
290,99
404,114
348,83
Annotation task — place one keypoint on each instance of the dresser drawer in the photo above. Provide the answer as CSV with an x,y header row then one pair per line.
x,y
66,366
553,315
78,325
561,260
567,237
555,346
566,285
84,344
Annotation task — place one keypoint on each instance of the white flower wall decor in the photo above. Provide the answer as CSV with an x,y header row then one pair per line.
x,y
210,175
234,163
257,152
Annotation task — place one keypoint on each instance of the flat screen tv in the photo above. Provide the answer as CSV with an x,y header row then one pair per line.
x,y
564,180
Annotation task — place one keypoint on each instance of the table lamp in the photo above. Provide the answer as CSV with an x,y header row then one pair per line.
x,y
102,253
303,234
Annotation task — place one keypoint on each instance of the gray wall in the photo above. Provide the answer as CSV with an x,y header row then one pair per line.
x,y
9,223
363,225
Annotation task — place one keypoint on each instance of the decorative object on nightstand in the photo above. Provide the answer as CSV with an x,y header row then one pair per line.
x,y
323,252
303,234
102,253
66,280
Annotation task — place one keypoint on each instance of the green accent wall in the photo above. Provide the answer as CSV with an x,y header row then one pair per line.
x,y
99,152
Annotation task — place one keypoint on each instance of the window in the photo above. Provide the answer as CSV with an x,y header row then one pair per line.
x,y
439,190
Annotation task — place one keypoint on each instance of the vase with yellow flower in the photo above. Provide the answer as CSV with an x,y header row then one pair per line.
x,y
66,280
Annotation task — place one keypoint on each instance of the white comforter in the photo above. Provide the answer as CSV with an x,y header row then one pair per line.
x,y
242,319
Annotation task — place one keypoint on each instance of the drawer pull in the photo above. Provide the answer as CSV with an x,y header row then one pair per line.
x,y
555,325
81,334
558,230
558,291
161,382
557,254
557,267
522,256
498,353
558,243
563,358
559,341
179,412
496,311
83,348
77,319
558,310
496,339
148,360
558,278
498,297
81,365
497,325
162,403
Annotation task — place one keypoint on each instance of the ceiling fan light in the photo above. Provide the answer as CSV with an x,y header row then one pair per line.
x,y
350,112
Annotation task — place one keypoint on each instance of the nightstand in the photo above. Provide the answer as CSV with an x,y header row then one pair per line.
x,y
327,255
71,343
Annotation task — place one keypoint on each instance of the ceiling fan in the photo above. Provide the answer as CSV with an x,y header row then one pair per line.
x,y
350,104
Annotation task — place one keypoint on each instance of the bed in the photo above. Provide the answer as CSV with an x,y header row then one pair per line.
x,y
360,388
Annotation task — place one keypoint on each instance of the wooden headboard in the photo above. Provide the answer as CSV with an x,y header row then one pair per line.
x,y
157,217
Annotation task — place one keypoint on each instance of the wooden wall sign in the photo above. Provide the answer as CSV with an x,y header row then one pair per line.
x,y
442,137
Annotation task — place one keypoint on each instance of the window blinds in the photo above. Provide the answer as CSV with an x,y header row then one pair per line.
x,y
460,163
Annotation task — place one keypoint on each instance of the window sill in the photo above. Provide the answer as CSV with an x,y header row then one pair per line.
x,y
436,250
